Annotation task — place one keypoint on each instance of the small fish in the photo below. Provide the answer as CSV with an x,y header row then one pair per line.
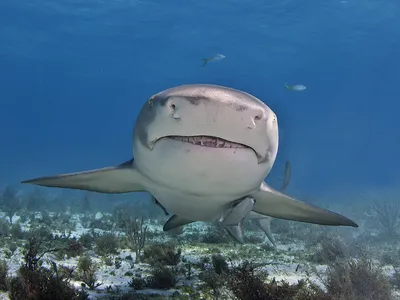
x,y
296,87
286,175
213,58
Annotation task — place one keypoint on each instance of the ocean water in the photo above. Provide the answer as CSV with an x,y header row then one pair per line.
x,y
74,75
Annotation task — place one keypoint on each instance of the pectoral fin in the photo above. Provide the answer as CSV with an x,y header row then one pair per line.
x,y
272,203
123,178
235,232
238,212
265,225
175,221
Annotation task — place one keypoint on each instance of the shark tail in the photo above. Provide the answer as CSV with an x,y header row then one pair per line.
x,y
205,61
288,87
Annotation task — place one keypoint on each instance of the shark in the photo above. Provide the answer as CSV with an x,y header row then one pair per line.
x,y
203,151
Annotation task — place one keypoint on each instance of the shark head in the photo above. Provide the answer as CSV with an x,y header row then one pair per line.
x,y
207,132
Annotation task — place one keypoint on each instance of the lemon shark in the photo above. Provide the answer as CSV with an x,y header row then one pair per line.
x,y
203,151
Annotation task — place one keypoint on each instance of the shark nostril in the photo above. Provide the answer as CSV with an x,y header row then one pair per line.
x,y
257,118
175,115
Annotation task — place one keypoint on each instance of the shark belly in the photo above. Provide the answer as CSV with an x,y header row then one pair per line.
x,y
196,207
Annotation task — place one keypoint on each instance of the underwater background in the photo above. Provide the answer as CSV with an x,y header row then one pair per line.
x,y
74,75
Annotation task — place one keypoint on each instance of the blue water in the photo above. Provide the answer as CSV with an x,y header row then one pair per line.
x,y
74,75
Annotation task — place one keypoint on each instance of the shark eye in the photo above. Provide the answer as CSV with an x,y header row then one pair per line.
x,y
172,106
151,102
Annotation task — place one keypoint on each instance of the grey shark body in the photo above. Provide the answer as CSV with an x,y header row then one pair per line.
x,y
201,150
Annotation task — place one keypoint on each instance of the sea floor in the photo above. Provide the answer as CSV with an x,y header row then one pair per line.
x,y
303,251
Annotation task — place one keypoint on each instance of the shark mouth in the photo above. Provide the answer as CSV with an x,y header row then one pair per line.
x,y
208,141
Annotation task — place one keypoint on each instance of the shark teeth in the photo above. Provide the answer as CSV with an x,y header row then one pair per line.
x,y
208,141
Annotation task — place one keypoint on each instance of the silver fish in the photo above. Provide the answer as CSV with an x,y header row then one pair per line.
x,y
215,57
296,87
